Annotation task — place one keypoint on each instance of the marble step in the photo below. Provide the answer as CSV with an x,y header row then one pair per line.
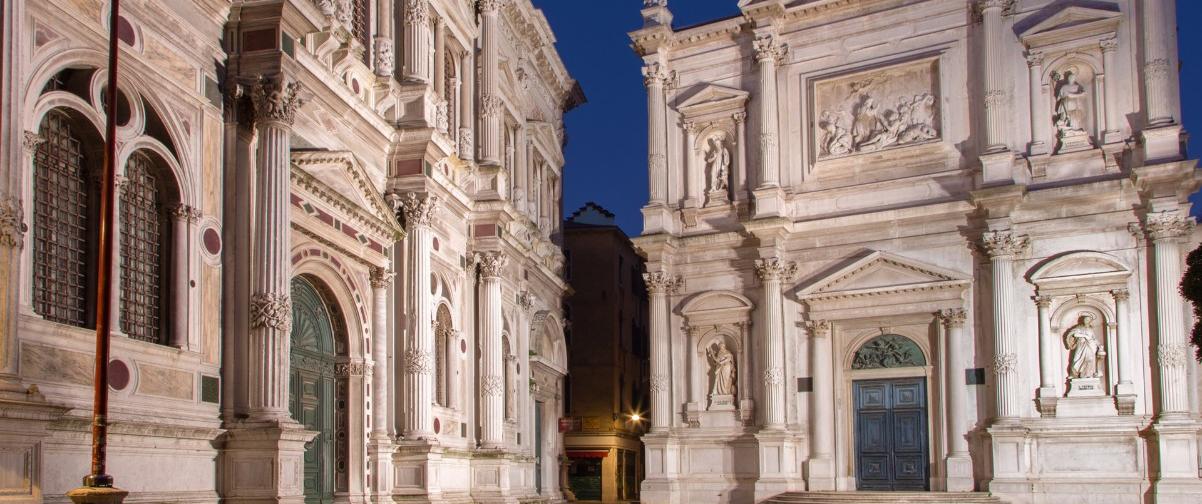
x,y
885,497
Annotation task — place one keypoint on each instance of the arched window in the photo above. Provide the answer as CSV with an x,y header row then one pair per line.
x,y
145,235
443,331
64,224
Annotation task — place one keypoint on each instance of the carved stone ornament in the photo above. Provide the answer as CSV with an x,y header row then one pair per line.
x,y
492,264
656,162
492,385
1167,225
655,3
276,99
1157,70
775,269
381,277
525,301
655,74
1005,364
419,211
347,369
768,49
491,105
1004,244
1072,104
466,142
31,141
662,282
818,328
1121,294
1043,301
418,362
345,14
774,376
659,383
953,317
383,58
888,351
1172,354
1006,6
417,12
876,110
487,6
189,213
12,223
271,310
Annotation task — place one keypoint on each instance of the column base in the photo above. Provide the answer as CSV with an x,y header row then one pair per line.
x,y
1176,455
97,495
820,474
379,461
661,484
778,464
1161,143
959,473
415,470
769,202
657,218
997,168
263,462
490,478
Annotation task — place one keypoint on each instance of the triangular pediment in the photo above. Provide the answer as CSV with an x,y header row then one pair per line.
x,y
880,273
712,97
1069,22
342,175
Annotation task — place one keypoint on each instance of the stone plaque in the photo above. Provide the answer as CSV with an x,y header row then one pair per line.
x,y
877,109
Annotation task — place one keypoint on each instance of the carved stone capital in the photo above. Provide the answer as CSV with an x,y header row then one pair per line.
x,y
492,385
1005,364
775,268
953,317
1004,244
276,99
381,277
768,49
12,223
492,263
661,282
655,74
739,117
417,12
1035,59
1167,225
417,362
31,141
1121,294
490,6
188,213
984,6
1109,44
418,210
1042,301
271,310
525,301
383,57
1172,354
818,328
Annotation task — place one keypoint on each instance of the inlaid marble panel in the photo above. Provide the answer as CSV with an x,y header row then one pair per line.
x,y
164,382
40,362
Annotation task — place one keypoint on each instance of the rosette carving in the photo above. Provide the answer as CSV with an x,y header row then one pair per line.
x,y
271,310
662,282
276,99
775,269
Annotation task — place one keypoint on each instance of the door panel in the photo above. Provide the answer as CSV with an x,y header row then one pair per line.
x,y
891,434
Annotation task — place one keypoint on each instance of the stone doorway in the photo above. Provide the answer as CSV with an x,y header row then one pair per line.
x,y
315,389
892,450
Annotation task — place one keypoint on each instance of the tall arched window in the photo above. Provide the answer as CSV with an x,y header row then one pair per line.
x,y
64,217
145,233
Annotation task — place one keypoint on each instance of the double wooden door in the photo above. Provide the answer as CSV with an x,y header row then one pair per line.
x,y
892,449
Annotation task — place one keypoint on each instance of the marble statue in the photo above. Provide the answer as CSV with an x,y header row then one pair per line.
x,y
1070,104
722,366
717,159
1084,348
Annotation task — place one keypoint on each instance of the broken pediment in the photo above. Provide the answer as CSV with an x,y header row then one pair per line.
x,y
1070,23
881,273
713,98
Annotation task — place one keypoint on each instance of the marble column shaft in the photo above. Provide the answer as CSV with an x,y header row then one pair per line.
x,y
12,242
490,101
655,77
184,218
660,285
740,185
417,47
769,52
1048,351
1114,116
1038,104
773,271
1002,247
822,399
1160,44
492,371
692,171
1166,230
467,105
381,279
958,359
1123,340
276,101
996,97
418,360
383,55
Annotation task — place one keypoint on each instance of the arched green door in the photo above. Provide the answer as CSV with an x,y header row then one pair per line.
x,y
312,386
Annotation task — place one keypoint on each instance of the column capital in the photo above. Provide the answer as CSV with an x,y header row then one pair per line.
x,y
1004,244
31,140
525,301
1042,301
186,212
418,210
953,317
984,6
818,328
656,74
775,268
768,49
739,117
417,12
276,99
381,277
12,223
1167,225
661,282
490,6
1121,294
491,263
1035,58
271,310
1109,44
691,127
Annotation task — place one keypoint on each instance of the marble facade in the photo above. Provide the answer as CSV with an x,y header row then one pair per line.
x,y
977,205
402,157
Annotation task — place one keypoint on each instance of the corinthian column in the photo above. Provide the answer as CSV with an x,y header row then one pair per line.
x,y
492,371
419,354
276,101
654,77
1002,246
12,241
958,463
1166,230
820,470
772,272
383,58
660,284
996,96
769,52
381,278
490,101
417,41
1160,45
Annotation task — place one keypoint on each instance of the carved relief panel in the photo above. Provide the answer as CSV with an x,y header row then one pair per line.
x,y
877,109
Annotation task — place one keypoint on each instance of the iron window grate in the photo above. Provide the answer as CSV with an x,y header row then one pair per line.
x,y
60,221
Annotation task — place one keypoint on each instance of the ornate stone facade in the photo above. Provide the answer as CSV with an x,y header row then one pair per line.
x,y
934,207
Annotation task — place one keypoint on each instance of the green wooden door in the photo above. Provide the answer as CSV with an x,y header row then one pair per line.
x,y
312,387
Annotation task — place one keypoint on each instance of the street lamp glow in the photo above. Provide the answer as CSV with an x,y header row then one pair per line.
x,y
635,417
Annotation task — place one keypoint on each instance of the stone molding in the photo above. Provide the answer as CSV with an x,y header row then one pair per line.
x,y
1004,244
271,310
276,99
492,264
775,268
662,282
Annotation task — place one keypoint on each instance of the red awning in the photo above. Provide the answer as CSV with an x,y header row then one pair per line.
x,y
587,454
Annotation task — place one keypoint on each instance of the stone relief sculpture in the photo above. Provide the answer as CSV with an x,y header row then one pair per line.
x,y
869,112
717,162
1085,352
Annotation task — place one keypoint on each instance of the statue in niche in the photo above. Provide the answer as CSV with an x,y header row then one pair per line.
x,y
722,367
1070,104
1085,352
717,161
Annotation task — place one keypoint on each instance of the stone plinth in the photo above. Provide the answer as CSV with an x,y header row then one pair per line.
x,y
264,462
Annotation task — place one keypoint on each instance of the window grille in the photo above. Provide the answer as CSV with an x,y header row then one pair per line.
x,y
361,27
60,222
142,232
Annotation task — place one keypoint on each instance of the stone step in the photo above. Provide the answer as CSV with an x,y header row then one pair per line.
x,y
885,497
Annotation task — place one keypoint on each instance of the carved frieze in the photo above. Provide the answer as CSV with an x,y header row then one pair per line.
x,y
877,109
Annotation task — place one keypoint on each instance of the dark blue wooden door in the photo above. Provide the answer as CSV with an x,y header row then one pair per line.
x,y
891,434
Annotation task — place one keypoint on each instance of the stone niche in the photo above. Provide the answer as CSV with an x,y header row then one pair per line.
x,y
714,119
875,110
718,328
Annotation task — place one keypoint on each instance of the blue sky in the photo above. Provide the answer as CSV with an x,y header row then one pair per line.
x,y
607,137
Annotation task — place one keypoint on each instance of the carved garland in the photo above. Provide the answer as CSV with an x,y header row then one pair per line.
x,y
271,310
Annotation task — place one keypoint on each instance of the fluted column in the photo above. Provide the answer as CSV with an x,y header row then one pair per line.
x,y
1048,350
1002,247
772,272
381,279
661,284
1166,230
1040,120
693,171
276,101
418,359
383,56
492,371
1114,116
655,76
418,60
820,467
490,100
958,463
1160,42
996,96
740,185
769,52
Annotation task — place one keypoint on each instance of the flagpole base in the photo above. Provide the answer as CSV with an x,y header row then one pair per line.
x,y
97,495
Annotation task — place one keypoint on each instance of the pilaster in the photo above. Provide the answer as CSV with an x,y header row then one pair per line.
x,y
820,468
958,466
772,272
769,53
660,285
492,383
